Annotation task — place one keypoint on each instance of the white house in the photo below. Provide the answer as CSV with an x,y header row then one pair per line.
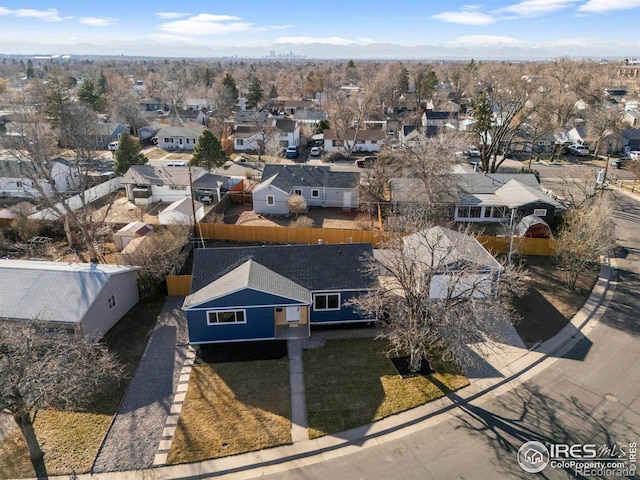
x,y
17,178
319,185
359,140
251,137
456,263
181,212
288,132
86,299
179,138
147,184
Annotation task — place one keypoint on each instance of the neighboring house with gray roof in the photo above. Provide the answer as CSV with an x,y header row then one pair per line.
x,y
20,178
319,185
179,138
86,299
147,184
491,197
463,267
499,197
109,132
359,141
273,292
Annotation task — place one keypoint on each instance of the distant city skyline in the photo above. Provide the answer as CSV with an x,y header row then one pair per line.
x,y
360,30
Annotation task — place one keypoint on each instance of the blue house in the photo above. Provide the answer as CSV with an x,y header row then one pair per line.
x,y
273,292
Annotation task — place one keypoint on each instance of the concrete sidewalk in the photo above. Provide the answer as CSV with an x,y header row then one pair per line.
x,y
513,366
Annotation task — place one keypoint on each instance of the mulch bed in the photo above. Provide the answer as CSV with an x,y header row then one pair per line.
x,y
548,306
402,367
242,351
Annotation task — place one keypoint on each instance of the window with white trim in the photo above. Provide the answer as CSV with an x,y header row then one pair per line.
x,y
240,141
271,200
540,212
499,212
225,317
326,301
297,191
315,193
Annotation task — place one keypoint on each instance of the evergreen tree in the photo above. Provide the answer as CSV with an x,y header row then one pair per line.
x,y
208,152
229,83
90,94
29,69
102,83
256,94
56,96
128,153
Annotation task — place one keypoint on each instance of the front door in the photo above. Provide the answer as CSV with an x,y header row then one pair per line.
x,y
346,200
293,314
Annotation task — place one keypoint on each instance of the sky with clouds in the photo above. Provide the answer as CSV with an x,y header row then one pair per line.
x,y
143,27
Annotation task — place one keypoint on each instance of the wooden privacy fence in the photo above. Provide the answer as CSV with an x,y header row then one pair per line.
x,y
258,233
544,247
178,285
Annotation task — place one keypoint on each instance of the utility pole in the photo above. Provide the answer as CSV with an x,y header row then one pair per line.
x,y
604,179
196,231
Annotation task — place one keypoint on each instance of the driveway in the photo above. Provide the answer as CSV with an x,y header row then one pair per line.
x,y
133,438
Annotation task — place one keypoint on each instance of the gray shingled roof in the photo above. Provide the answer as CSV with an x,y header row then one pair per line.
x,y
289,176
249,275
52,291
210,180
474,183
314,267
163,175
192,132
448,247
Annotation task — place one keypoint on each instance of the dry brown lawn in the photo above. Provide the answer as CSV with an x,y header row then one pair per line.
x,y
351,382
549,305
233,408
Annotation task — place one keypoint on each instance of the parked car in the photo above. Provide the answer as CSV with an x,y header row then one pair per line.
x,y
315,151
291,152
365,162
579,150
113,146
472,152
634,155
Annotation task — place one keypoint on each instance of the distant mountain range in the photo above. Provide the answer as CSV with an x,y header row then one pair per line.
x,y
380,51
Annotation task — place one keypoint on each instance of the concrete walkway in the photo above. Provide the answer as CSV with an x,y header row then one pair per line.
x,y
298,400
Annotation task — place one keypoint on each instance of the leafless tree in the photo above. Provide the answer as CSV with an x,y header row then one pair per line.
x,y
348,113
41,369
36,149
296,204
502,108
586,236
160,254
434,301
